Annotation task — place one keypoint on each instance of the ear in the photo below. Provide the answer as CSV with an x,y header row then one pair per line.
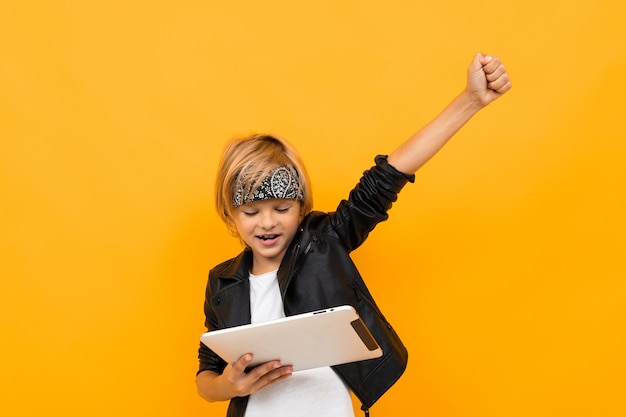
x,y
301,211
230,223
228,216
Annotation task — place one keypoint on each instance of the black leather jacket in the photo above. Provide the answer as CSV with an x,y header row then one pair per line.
x,y
317,273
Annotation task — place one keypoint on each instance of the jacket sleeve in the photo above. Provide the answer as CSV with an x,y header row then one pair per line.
x,y
368,202
209,360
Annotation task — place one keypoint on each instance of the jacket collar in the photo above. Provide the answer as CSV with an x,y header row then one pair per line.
x,y
239,268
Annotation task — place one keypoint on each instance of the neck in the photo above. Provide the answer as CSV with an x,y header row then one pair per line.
x,y
260,268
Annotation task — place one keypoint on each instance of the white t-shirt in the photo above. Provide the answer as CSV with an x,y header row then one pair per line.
x,y
308,393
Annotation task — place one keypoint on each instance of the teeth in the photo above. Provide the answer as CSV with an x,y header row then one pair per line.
x,y
267,237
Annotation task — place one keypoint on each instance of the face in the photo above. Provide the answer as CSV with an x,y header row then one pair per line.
x,y
267,227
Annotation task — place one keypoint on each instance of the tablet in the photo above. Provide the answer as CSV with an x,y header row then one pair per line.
x,y
311,340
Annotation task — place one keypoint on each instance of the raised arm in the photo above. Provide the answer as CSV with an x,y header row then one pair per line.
x,y
487,80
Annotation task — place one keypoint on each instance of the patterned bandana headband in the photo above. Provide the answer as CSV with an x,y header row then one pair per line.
x,y
282,182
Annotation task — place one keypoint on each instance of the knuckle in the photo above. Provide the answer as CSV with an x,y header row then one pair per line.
x,y
242,389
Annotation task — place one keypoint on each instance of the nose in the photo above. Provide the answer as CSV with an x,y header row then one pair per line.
x,y
267,220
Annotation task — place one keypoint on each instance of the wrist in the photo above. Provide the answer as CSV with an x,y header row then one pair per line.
x,y
470,101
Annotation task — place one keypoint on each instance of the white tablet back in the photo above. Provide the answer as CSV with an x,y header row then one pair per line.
x,y
321,338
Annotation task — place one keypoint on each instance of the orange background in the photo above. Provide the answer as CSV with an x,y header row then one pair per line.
x,y
502,268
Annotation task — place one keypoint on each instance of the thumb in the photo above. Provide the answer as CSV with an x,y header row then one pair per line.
x,y
479,61
242,363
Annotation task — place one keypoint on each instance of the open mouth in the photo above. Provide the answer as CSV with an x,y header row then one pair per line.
x,y
267,237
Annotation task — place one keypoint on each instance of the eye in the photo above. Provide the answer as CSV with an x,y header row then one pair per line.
x,y
282,209
249,213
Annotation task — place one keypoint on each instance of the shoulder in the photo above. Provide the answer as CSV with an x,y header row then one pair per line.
x,y
222,266
317,223
313,220
231,267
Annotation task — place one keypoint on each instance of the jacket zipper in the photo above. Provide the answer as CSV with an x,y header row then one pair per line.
x,y
298,258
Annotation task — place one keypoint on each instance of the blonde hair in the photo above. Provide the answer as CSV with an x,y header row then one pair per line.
x,y
246,161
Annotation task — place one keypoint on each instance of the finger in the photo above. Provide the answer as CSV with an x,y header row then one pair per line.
x,y
242,363
500,84
278,375
264,369
271,377
503,88
496,73
491,64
